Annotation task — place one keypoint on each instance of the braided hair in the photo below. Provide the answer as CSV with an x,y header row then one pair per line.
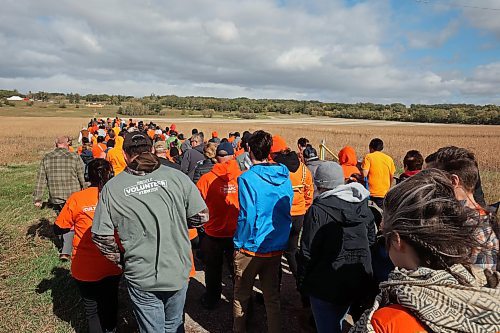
x,y
100,171
424,212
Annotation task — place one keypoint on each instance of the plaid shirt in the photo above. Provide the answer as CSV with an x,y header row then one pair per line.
x,y
485,256
62,172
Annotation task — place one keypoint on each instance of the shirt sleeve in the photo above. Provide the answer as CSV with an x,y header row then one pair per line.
x,y
41,182
393,168
366,163
247,202
80,170
185,163
66,218
102,224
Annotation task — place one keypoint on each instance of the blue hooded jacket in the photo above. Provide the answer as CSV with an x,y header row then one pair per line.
x,y
265,195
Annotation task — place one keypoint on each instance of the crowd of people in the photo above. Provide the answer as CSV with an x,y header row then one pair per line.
x,y
414,253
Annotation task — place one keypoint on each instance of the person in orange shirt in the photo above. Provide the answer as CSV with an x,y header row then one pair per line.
x,y
97,278
380,169
433,287
115,156
348,161
303,192
99,148
219,189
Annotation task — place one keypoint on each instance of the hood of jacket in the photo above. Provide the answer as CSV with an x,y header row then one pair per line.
x,y
273,173
353,192
290,160
228,170
347,156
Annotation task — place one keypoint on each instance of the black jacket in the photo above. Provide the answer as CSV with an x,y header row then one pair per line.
x,y
168,163
202,168
334,258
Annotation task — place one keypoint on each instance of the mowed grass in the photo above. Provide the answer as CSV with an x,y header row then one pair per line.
x,y
36,291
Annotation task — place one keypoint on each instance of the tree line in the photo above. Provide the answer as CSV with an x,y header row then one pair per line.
x,y
249,108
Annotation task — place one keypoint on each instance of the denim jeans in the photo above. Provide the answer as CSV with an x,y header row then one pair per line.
x,y
328,316
159,311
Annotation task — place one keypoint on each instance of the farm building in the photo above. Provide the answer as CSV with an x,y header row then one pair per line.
x,y
15,98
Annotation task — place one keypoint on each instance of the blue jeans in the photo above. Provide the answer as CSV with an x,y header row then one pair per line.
x,y
159,311
327,316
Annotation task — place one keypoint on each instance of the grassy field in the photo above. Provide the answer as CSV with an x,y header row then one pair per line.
x,y
36,291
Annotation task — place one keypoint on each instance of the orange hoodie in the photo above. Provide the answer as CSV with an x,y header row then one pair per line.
x,y
348,161
219,189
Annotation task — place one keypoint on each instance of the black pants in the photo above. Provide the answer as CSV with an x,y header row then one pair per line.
x,y
100,299
378,201
214,250
293,243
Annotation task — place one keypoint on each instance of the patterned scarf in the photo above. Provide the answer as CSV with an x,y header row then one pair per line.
x,y
440,302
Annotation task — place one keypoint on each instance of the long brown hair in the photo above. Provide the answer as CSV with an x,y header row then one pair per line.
x,y
424,212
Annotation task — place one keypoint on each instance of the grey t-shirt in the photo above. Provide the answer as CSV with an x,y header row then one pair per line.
x,y
150,215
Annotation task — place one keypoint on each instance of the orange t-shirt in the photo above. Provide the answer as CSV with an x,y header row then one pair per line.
x,y
381,169
303,190
88,264
117,160
396,319
99,150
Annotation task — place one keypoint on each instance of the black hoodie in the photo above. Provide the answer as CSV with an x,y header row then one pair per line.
x,y
334,259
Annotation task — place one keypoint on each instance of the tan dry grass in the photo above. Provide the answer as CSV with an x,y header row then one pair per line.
x,y
26,139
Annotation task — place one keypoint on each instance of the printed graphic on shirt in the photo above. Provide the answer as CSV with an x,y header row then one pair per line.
x,y
88,209
229,189
142,187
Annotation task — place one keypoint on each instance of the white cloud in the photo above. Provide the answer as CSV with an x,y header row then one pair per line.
x,y
317,49
223,31
301,59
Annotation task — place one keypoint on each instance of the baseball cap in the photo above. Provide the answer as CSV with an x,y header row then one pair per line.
x,y
224,149
310,154
136,139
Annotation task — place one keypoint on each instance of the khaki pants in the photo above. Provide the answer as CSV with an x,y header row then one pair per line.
x,y
246,269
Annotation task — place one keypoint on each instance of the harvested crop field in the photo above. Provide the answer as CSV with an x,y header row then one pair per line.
x,y
26,139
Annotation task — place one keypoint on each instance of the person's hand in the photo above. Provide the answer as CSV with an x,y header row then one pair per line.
x,y
38,204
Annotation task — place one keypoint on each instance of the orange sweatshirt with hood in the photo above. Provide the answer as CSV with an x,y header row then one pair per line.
x,y
219,189
348,161
302,182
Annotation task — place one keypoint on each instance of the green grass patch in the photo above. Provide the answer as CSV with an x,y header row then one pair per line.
x,y
36,291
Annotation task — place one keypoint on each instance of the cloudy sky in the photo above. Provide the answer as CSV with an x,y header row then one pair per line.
x,y
410,51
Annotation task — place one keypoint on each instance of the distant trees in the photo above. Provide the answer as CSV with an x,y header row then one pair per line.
x,y
250,108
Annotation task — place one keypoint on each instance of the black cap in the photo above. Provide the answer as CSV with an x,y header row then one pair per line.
x,y
136,139
310,153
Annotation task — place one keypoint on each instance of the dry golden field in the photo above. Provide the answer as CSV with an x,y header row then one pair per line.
x,y
25,139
